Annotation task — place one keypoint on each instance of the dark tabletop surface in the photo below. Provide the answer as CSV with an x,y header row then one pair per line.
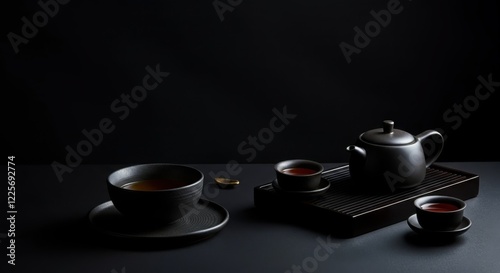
x,y
52,236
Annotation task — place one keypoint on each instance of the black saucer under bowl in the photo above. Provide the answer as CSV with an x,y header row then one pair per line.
x,y
462,228
324,185
204,221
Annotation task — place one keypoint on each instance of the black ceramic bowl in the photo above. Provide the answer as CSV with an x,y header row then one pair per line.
x,y
180,190
439,212
306,177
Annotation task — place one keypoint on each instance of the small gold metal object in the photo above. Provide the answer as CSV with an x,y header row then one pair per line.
x,y
226,182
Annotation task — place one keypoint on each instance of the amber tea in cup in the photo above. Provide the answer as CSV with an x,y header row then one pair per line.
x,y
439,207
299,171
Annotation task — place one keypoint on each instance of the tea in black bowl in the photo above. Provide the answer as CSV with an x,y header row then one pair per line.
x,y
154,185
439,207
299,171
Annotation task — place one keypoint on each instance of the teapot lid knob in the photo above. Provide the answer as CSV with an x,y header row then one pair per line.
x,y
388,126
387,135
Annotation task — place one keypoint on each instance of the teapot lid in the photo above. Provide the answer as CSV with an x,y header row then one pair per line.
x,y
387,135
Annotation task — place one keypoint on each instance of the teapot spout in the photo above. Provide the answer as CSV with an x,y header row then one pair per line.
x,y
358,154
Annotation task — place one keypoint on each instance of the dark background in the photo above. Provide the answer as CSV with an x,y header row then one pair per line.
x,y
226,77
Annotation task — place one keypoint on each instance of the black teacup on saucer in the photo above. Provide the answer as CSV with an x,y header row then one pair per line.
x,y
439,234
439,216
299,175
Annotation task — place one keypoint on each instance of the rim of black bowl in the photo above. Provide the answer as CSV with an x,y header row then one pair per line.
x,y
418,203
194,183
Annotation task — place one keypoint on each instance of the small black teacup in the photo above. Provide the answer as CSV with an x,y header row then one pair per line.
x,y
298,174
439,212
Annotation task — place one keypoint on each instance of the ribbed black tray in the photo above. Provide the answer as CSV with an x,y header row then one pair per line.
x,y
347,213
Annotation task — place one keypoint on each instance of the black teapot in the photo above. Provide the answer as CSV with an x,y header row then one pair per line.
x,y
391,159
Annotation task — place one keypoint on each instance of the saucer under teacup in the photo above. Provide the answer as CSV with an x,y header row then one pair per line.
x,y
444,234
324,185
204,221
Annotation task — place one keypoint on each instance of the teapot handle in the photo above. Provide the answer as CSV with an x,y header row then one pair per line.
x,y
435,148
